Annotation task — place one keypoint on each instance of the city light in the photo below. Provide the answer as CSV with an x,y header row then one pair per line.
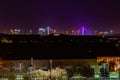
x,y
83,30
42,31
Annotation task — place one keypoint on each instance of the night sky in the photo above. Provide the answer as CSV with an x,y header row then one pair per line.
x,y
102,15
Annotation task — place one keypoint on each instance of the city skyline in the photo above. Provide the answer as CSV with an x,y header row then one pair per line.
x,y
62,15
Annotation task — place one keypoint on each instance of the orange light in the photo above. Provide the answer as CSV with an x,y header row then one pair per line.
x,y
54,31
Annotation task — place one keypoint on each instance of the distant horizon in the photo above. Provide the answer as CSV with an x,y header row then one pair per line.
x,y
35,30
61,15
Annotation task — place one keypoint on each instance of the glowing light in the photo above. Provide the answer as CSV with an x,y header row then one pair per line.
x,y
95,32
83,30
42,31
86,31
78,32
73,31
30,31
111,31
12,31
56,34
54,31
48,30
67,32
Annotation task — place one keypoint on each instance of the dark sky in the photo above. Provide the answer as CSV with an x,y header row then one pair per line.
x,y
60,14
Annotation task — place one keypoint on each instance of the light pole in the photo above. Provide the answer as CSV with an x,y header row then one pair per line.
x,y
20,67
48,30
104,69
50,69
31,71
119,71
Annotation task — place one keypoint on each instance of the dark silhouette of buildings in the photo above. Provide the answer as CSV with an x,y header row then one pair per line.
x,y
56,46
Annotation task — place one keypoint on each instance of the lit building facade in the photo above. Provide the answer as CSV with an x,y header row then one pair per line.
x,y
112,62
